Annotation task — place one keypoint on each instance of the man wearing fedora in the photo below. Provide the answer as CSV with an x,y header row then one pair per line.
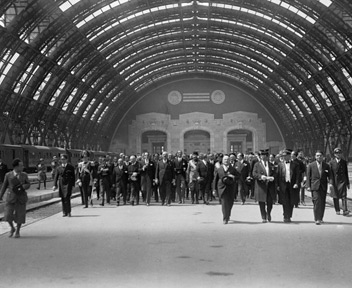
x,y
340,181
264,190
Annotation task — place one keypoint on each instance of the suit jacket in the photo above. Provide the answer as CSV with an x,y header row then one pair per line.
x,y
134,168
339,178
10,181
120,175
314,179
164,171
66,178
262,188
243,169
203,171
180,166
295,178
147,174
222,187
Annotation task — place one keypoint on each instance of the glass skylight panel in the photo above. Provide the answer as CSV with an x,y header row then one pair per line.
x,y
68,4
314,100
304,104
2,20
88,108
336,89
96,111
323,94
347,75
288,108
327,3
80,102
102,114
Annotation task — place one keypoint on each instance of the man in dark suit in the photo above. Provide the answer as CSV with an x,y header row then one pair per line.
x,y
243,168
134,179
164,176
120,176
180,166
203,178
65,175
224,180
288,179
318,173
147,177
265,187
340,181
16,182
211,170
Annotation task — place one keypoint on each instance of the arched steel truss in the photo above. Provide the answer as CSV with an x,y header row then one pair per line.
x,y
70,69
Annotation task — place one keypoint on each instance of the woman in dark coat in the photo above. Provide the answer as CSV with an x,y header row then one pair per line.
x,y
16,183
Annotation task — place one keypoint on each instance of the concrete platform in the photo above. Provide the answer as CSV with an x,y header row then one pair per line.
x,y
179,246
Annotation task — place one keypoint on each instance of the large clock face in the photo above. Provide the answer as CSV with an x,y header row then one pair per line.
x,y
174,97
218,96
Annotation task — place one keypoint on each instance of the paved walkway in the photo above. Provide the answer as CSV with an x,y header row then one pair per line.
x,y
179,246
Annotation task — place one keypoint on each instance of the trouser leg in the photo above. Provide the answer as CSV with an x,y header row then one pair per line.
x,y
262,209
336,204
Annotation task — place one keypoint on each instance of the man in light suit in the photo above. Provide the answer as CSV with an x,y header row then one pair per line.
x,y
318,173
288,180
164,176
340,181
265,187
65,175
224,180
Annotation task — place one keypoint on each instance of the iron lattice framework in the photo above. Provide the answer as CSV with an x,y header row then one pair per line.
x,y
71,68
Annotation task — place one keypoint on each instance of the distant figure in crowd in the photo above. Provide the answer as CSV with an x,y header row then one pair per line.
x,y
318,173
340,181
3,171
16,183
65,175
41,169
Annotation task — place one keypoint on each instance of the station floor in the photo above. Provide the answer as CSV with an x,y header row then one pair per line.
x,y
179,246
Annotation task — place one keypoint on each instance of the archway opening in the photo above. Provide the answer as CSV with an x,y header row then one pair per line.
x,y
154,141
240,140
197,140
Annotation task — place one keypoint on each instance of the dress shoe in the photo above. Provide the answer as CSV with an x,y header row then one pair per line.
x,y
225,222
91,202
179,202
17,235
85,207
12,231
269,218
338,213
318,222
69,214
242,203
65,215
132,203
303,203
285,220
345,213
101,204
264,221
183,201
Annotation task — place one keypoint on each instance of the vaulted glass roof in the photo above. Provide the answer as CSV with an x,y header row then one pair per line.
x,y
77,65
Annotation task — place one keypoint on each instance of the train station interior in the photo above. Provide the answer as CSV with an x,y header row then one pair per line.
x,y
211,76
134,76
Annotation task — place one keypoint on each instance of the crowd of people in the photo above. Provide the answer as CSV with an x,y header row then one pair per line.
x,y
202,178
199,178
